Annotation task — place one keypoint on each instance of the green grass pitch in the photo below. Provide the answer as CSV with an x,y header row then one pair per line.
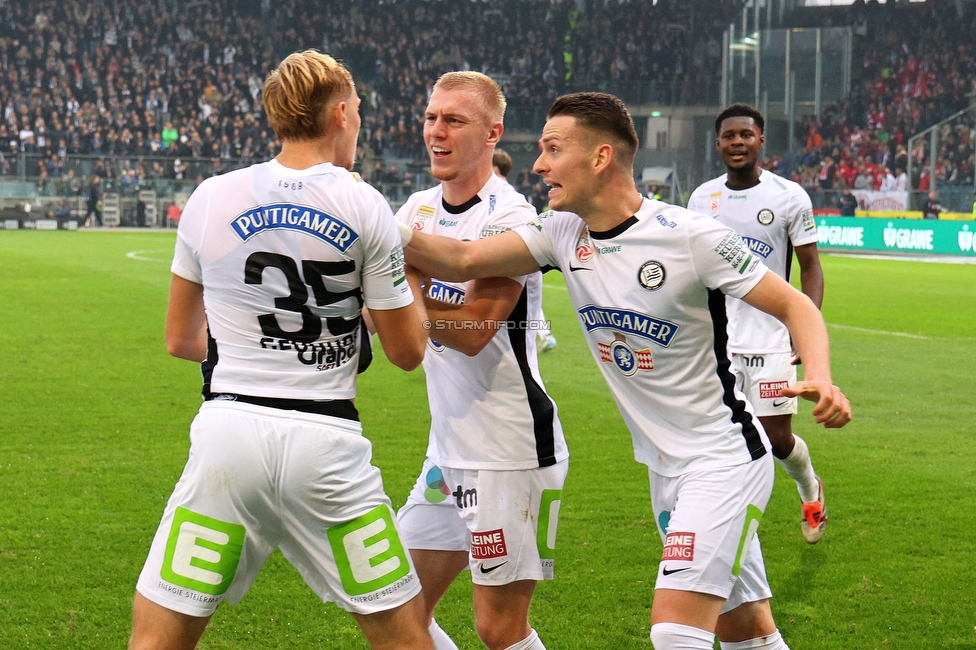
x,y
93,435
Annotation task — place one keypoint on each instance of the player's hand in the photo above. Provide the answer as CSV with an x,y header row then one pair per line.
x,y
833,409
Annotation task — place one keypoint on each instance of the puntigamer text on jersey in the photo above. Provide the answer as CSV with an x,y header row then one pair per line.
x,y
294,217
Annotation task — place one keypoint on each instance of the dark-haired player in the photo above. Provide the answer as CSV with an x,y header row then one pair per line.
x,y
648,283
774,217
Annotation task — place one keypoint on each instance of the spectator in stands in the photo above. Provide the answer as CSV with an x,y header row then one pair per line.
x,y
827,172
932,209
848,204
93,202
864,179
63,212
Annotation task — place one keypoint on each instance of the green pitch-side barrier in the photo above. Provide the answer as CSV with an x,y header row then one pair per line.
x,y
898,235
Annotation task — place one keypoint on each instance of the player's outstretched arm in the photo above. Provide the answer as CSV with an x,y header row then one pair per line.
x,y
186,320
504,255
468,328
775,296
401,331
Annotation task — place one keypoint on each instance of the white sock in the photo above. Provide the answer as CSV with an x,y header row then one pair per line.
x,y
772,642
441,640
673,636
531,642
800,468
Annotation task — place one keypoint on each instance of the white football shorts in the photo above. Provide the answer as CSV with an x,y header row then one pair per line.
x,y
262,478
505,520
762,378
708,522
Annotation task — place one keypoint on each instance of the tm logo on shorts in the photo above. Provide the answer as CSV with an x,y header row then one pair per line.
x,y
368,552
202,553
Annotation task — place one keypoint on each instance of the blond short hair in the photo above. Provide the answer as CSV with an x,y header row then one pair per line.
x,y
492,98
298,93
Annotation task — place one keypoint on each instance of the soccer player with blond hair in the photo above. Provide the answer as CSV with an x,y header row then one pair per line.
x,y
488,495
648,281
273,264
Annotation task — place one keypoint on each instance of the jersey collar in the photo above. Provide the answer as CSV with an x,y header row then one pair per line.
x,y
490,187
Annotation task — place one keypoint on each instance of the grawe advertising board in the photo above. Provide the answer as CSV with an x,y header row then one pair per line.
x,y
898,235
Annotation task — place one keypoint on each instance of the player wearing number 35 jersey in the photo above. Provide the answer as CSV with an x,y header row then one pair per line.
x,y
273,264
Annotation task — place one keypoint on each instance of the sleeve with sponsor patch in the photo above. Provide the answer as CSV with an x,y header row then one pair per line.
x,y
803,225
544,233
384,279
189,235
507,219
721,259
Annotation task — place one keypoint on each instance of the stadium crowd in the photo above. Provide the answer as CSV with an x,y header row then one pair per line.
x,y
144,80
909,75
135,92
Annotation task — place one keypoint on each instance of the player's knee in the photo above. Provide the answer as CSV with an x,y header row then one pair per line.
x,y
497,633
772,641
673,636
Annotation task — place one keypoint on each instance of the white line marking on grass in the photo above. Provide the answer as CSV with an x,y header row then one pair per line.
x,y
870,331
902,334
141,255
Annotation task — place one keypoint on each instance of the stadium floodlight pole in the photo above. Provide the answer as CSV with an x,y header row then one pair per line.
x,y
786,71
818,76
758,57
726,62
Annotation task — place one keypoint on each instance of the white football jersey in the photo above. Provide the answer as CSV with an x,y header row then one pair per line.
x,y
489,411
773,217
649,295
286,258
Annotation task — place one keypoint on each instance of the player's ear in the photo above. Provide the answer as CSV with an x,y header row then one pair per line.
x,y
495,134
338,115
604,157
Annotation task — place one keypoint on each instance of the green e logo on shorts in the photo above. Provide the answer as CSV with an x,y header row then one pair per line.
x,y
368,552
753,517
548,519
202,553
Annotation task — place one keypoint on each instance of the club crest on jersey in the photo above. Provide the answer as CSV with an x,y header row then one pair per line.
x,y
652,275
423,215
653,329
758,246
765,216
287,216
627,360
715,200
584,249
